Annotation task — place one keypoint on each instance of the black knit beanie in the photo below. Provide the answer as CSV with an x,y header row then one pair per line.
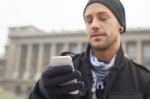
x,y
115,6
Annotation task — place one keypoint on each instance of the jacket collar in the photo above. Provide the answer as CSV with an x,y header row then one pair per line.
x,y
119,56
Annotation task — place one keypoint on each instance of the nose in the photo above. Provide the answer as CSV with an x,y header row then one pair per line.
x,y
95,26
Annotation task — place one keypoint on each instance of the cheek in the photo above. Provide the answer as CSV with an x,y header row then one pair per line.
x,y
111,31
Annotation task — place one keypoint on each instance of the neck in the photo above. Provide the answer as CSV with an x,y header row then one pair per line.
x,y
107,54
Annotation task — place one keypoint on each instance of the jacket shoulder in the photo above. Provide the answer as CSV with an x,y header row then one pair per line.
x,y
142,67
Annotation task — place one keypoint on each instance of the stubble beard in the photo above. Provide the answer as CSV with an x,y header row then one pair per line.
x,y
103,47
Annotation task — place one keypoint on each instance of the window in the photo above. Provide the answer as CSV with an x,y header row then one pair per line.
x,y
59,48
34,59
132,50
73,48
146,53
46,54
23,59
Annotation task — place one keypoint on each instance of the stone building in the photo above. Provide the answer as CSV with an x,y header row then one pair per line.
x,y
2,67
29,49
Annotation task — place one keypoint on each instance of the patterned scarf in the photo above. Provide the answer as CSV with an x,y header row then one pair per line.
x,y
100,70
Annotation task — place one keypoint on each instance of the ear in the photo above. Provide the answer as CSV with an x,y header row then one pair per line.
x,y
121,29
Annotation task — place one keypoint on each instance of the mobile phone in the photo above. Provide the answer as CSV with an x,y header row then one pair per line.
x,y
63,60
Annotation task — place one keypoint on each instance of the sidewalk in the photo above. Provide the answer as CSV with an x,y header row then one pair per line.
x,y
7,95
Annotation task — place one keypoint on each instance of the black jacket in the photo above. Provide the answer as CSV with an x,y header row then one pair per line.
x,y
126,80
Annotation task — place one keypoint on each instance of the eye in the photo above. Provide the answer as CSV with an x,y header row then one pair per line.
x,y
88,19
103,18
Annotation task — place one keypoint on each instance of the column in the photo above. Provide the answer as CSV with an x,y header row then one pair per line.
x,y
28,63
139,51
124,46
18,54
53,50
10,59
40,61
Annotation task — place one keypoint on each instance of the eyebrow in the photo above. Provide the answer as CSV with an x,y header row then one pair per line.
x,y
98,13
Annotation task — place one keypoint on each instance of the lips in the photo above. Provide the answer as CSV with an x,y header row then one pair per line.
x,y
97,34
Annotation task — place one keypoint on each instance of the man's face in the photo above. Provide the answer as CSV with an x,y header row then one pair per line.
x,y
102,26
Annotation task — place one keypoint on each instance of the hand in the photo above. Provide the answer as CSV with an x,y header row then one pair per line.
x,y
52,83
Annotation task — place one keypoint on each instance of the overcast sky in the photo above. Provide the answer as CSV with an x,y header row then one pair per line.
x,y
60,15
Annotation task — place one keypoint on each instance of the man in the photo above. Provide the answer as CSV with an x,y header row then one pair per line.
x,y
102,72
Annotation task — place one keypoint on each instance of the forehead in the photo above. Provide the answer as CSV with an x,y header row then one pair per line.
x,y
97,8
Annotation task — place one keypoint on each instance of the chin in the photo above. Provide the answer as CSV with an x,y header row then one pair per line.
x,y
98,46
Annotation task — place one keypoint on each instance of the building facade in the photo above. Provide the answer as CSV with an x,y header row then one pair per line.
x,y
29,49
2,67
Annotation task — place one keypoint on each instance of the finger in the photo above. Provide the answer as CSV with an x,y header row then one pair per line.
x,y
56,71
67,89
64,78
